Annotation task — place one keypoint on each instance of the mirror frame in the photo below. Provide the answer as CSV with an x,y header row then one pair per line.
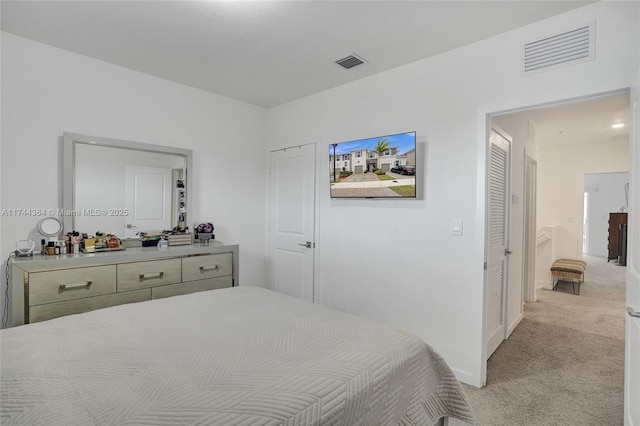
x,y
44,221
71,140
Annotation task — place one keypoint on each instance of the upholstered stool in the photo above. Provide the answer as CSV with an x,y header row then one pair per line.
x,y
568,269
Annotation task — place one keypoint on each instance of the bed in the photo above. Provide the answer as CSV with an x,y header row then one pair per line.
x,y
236,356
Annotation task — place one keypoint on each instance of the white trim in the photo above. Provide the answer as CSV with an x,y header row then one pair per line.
x,y
316,226
529,290
514,324
463,376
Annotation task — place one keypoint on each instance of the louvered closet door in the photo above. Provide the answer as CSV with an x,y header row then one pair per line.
x,y
498,240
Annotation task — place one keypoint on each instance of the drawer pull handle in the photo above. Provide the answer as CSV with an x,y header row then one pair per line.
x,y
150,276
75,285
209,268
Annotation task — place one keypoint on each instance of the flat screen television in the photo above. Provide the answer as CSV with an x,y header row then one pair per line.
x,y
378,167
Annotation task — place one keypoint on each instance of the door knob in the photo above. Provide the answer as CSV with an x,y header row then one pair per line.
x,y
507,252
307,244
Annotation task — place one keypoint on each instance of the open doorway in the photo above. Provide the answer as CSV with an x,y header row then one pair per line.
x,y
605,203
564,141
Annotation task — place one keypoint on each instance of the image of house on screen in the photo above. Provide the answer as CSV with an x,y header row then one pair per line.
x,y
378,153
382,166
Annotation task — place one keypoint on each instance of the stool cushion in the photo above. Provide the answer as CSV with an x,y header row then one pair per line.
x,y
567,267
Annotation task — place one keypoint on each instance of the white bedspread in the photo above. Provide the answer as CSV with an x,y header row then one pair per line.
x,y
237,356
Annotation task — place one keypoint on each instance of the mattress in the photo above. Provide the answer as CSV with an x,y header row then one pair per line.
x,y
236,356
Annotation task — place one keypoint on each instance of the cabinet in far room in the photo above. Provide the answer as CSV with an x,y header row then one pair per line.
x,y
617,237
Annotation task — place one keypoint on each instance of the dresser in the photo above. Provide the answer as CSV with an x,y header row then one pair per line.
x,y
46,287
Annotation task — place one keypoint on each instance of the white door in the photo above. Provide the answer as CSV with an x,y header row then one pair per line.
x,y
148,198
498,239
291,235
632,341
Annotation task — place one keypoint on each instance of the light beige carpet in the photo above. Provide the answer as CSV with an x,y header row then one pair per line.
x,y
564,363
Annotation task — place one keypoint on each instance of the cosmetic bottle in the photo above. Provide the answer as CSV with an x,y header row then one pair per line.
x,y
43,249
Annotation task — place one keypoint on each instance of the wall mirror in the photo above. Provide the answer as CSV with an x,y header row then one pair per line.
x,y
122,187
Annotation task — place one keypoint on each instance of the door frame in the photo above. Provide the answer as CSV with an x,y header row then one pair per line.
x,y
529,235
632,324
484,119
316,215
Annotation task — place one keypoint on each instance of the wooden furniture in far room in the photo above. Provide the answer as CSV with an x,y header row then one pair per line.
x,y
615,220
46,287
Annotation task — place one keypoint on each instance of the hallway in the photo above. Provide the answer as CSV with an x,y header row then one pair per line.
x,y
564,363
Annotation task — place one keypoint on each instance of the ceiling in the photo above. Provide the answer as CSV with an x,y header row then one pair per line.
x,y
266,53
582,122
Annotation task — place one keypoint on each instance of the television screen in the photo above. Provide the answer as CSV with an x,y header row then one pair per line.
x,y
380,167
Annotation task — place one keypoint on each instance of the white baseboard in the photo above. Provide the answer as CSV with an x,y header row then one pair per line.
x,y
464,377
544,284
514,324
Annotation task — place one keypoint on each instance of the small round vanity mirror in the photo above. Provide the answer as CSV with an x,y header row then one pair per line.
x,y
50,227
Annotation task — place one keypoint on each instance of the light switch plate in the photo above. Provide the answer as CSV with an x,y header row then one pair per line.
x,y
456,227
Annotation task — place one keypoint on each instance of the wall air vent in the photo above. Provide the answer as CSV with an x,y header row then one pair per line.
x,y
559,50
350,61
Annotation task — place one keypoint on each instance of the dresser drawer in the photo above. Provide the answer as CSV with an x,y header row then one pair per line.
x,y
191,287
132,276
209,266
78,306
68,284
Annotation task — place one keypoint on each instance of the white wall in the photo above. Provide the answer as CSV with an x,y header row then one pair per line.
x,y
561,171
411,272
606,195
47,91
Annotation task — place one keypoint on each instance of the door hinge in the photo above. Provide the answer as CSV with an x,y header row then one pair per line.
x,y
485,266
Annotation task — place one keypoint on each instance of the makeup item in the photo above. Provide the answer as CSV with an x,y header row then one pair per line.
x,y
43,248
51,248
57,251
163,244
89,245
76,248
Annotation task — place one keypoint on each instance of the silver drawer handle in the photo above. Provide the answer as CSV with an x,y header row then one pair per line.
x,y
632,312
209,268
150,276
75,285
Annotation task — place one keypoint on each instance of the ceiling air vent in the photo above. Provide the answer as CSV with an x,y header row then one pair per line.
x,y
350,61
559,50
